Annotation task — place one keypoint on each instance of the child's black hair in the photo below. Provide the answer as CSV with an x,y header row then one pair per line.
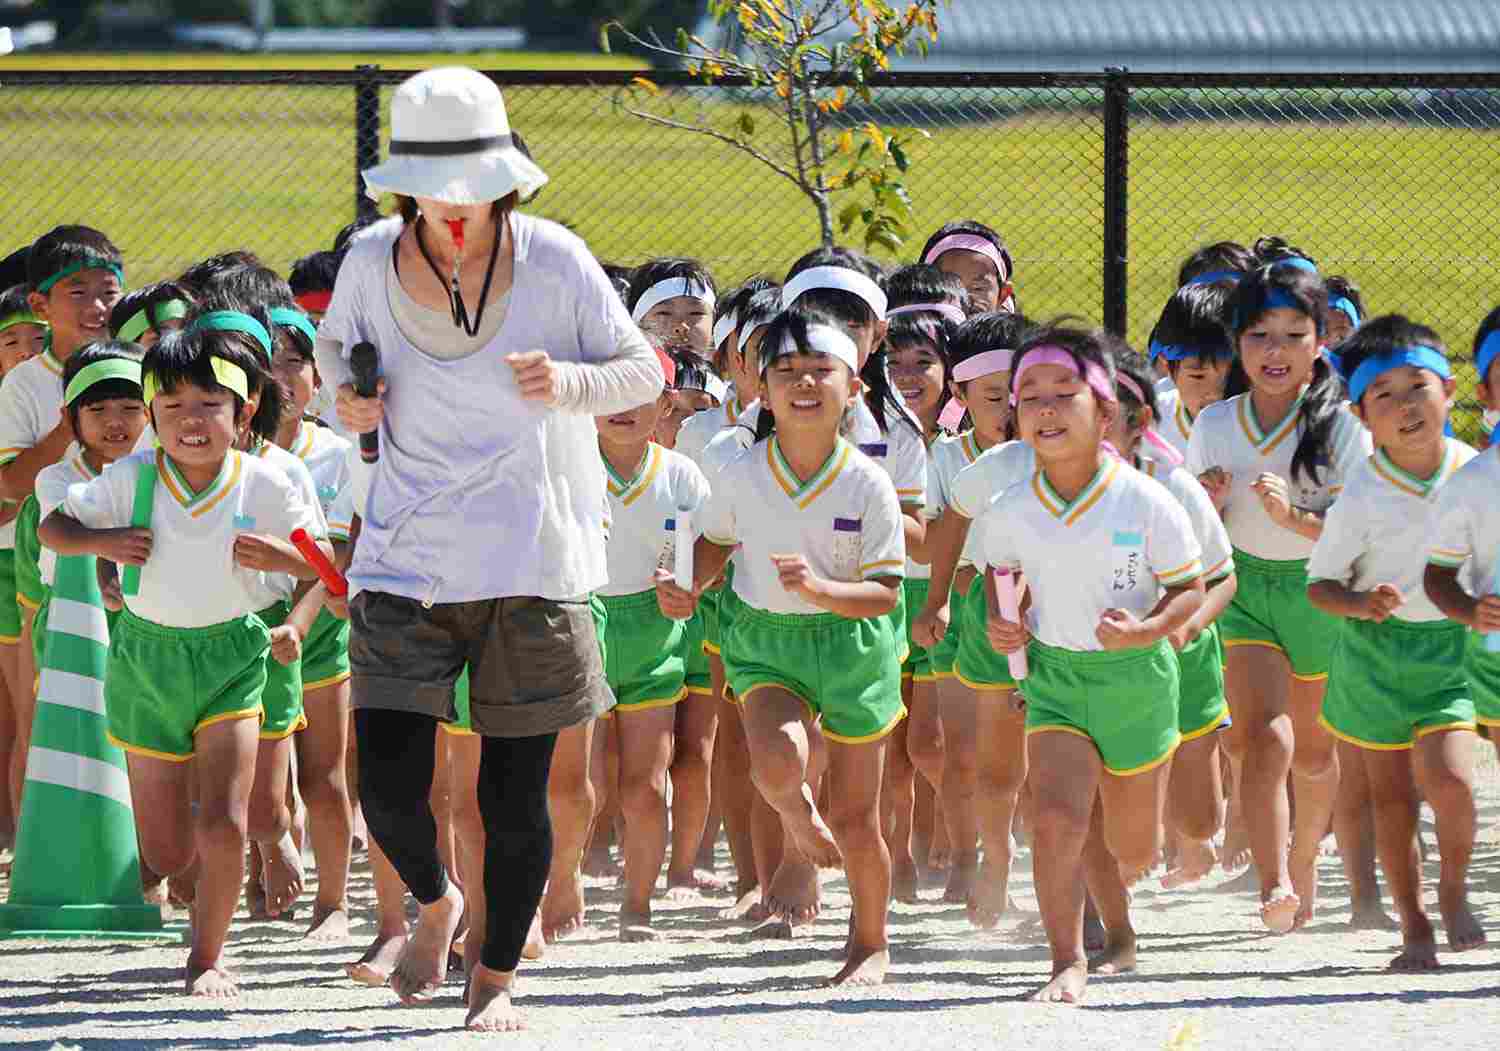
x,y
976,229
346,233
147,298
1339,286
206,274
997,330
760,309
1132,364
926,329
64,246
734,302
13,267
666,269
921,283
1323,399
1269,250
1490,324
1085,346
692,371
1219,257
792,323
314,273
268,415
187,357
1196,317
13,301
619,277
1382,335
105,390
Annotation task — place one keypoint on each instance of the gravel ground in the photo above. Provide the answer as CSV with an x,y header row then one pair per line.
x,y
1208,979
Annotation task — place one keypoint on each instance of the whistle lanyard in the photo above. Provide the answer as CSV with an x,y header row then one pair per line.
x,y
456,305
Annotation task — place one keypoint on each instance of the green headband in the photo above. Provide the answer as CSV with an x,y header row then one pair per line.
x,y
91,263
291,317
234,321
25,317
227,373
168,310
98,372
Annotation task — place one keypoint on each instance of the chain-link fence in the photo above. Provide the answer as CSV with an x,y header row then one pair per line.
x,y
1100,184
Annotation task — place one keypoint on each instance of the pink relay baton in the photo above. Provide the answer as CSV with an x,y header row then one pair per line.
x,y
1008,596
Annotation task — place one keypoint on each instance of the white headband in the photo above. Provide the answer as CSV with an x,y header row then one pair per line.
x,y
672,288
947,310
747,332
821,339
840,277
716,388
724,326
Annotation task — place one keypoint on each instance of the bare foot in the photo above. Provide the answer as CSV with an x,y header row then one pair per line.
x,y
757,913
810,834
1245,883
282,874
1066,986
1195,859
636,927
1236,853
1278,909
1094,936
1464,931
961,880
328,925
703,881
1118,956
563,908
743,906
1304,873
990,897
375,966
156,894
1418,949
181,891
423,966
793,894
939,858
211,983
599,864
490,1009
536,942
1370,916
904,880
864,967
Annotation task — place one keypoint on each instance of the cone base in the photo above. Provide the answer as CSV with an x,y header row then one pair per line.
x,y
124,922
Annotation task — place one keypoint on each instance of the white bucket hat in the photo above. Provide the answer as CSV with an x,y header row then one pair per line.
x,y
451,142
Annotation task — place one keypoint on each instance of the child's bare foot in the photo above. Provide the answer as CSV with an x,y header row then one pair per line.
x,y
1464,931
1095,938
1278,909
811,836
1245,883
375,966
990,898
181,891
636,927
1304,873
1118,956
864,967
961,880
904,880
940,857
211,983
488,997
282,874
563,908
1236,853
1066,987
1370,916
745,903
598,863
156,893
536,941
793,894
1195,859
1418,948
329,924
420,971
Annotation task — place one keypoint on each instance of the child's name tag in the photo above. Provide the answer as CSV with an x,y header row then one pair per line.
x,y
327,493
1124,538
848,548
874,450
244,521
1127,564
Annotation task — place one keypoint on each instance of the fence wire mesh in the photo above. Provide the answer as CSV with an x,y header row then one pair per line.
x,y
1390,181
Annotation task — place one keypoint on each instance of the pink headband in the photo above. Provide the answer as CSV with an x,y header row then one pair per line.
x,y
1165,448
985,363
1132,386
969,243
947,310
1051,354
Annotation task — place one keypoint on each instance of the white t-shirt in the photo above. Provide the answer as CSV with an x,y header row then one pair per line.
x,y
52,485
1464,526
949,455
1175,426
31,401
644,517
191,580
1213,540
326,457
278,586
978,486
1378,532
845,520
1226,435
1118,545
700,428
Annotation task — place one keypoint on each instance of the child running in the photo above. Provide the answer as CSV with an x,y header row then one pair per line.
x,y
1190,341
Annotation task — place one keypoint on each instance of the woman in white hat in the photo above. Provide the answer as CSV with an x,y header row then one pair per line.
x,y
483,533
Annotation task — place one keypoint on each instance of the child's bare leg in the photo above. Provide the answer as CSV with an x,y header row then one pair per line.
x,y
1132,808
958,786
1354,828
926,745
928,821
570,802
1256,680
732,784
1315,779
645,753
1195,801
1111,899
1393,794
271,826
697,722
1064,780
854,775
10,807
897,803
375,965
604,775
23,711
1445,773
228,750
1001,751
468,835
321,749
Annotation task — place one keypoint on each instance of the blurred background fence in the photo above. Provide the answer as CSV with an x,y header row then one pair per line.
x,y
1100,183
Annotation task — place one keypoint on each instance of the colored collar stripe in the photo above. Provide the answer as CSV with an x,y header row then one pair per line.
x,y
1410,483
970,445
1184,421
302,445
50,362
628,491
1264,442
91,263
1072,512
804,493
1182,574
199,503
82,466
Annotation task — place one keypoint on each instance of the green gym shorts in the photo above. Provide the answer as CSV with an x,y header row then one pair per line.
x,y
977,665
325,653
1484,678
282,699
918,663
10,610
1271,608
1201,707
1394,682
643,649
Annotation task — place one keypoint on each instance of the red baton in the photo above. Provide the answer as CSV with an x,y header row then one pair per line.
x,y
332,579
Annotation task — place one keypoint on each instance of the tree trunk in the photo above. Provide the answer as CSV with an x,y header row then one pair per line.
x,y
825,217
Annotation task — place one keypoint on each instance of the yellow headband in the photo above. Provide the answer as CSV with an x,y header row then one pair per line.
x,y
227,373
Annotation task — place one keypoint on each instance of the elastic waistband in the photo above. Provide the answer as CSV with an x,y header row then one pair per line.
x,y
142,626
1397,626
1270,567
1061,657
633,601
747,614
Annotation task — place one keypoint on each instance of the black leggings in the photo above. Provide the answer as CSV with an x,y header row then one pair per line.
x,y
395,777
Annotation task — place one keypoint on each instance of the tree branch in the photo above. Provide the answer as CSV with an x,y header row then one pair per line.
x,y
699,129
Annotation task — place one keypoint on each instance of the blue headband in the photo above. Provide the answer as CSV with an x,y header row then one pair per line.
x,y
1418,357
1344,305
291,317
1214,277
1489,351
1176,352
1296,262
234,321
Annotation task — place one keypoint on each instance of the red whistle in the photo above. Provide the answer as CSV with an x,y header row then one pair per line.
x,y
332,579
456,228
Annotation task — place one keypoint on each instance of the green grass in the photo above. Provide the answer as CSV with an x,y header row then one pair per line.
x,y
214,60
176,173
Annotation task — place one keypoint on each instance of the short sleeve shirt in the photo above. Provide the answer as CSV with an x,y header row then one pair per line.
x,y
646,517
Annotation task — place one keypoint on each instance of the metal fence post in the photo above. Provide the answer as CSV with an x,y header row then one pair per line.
x,y
366,134
1116,194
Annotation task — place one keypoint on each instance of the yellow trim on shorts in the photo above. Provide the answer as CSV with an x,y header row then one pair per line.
x,y
1372,746
1482,721
1061,729
26,603
1319,677
1208,728
464,731
983,687
659,702
1228,643
243,713
939,676
1146,768
297,727
744,697
878,735
150,753
1424,731
323,684
927,676
700,691
9,640
712,650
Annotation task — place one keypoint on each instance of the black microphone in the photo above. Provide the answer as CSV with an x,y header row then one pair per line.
x,y
364,361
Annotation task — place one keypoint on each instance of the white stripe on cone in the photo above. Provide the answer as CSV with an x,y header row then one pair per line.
x,y
71,690
78,618
48,766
